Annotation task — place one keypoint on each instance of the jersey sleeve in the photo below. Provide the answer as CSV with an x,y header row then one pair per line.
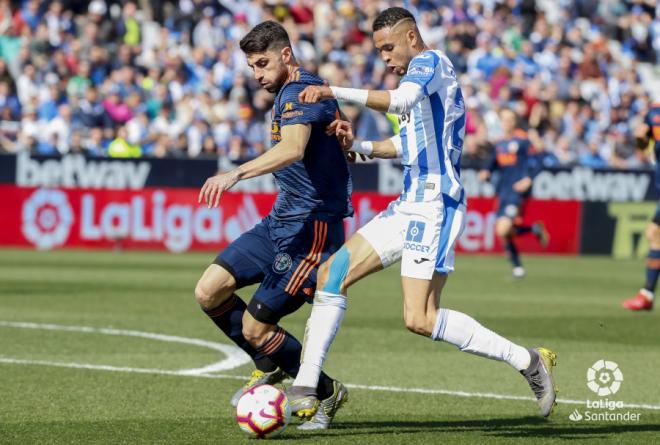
x,y
293,112
491,161
530,165
422,69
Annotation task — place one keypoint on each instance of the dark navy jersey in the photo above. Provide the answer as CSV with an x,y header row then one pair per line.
x,y
653,121
513,159
320,184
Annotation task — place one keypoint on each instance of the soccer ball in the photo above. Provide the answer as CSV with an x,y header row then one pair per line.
x,y
263,411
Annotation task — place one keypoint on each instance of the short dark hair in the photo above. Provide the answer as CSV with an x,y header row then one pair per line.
x,y
390,17
265,36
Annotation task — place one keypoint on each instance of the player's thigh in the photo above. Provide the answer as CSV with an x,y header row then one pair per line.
x,y
377,245
291,280
509,209
239,265
247,257
353,261
503,226
430,240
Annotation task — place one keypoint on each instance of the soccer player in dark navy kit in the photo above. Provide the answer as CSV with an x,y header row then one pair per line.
x,y
512,158
303,229
647,132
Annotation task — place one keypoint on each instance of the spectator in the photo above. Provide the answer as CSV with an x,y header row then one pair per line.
x,y
178,85
121,148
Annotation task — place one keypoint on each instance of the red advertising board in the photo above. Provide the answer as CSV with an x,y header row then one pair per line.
x,y
170,219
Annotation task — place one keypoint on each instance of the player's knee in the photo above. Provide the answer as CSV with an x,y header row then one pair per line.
x,y
322,275
255,333
208,296
653,235
417,324
332,274
503,228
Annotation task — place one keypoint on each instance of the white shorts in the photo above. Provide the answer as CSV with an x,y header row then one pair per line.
x,y
422,235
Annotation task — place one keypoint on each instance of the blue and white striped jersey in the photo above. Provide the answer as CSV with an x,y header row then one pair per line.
x,y
432,132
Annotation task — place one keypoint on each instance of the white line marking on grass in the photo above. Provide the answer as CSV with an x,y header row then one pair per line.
x,y
429,391
197,372
235,356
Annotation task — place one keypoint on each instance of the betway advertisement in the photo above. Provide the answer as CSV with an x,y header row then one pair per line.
x,y
170,219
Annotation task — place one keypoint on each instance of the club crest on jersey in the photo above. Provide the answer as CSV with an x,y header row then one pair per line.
x,y
282,263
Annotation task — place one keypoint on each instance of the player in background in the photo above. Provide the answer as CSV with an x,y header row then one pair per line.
x,y
303,229
512,158
647,132
421,227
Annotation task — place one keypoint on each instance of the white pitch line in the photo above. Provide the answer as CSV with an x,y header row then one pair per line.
x,y
430,391
235,356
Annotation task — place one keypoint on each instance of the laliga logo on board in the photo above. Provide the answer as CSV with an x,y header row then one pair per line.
x,y
47,218
604,378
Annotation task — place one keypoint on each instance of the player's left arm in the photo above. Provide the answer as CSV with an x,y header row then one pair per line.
x,y
414,87
386,149
289,150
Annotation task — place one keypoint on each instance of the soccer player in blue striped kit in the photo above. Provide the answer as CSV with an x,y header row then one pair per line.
x,y
303,229
420,228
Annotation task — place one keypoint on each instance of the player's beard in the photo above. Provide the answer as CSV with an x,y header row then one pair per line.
x,y
276,86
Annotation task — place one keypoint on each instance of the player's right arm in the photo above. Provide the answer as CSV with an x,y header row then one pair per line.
x,y
386,149
491,166
414,87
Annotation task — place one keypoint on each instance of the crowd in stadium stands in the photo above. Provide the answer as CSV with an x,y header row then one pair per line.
x,y
167,78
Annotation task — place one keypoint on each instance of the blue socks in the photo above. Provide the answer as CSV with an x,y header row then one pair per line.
x,y
229,318
512,250
652,270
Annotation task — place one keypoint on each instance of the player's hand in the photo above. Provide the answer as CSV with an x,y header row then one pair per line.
x,y
314,94
523,185
215,186
344,132
483,175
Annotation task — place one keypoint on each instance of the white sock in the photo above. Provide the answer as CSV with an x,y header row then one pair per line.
x,y
322,326
468,335
647,293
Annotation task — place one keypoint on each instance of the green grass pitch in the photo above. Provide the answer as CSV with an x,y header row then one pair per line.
x,y
571,305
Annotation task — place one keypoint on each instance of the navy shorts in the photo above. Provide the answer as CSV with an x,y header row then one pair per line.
x,y
511,205
283,256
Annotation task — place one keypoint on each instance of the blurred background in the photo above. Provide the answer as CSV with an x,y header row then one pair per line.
x,y
167,78
125,108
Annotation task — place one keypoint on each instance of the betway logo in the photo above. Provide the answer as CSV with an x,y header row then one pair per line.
x,y
587,185
75,171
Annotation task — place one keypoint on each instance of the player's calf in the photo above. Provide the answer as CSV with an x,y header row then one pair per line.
x,y
255,332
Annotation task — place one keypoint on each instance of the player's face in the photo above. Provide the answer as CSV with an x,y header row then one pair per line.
x,y
270,68
508,119
396,47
